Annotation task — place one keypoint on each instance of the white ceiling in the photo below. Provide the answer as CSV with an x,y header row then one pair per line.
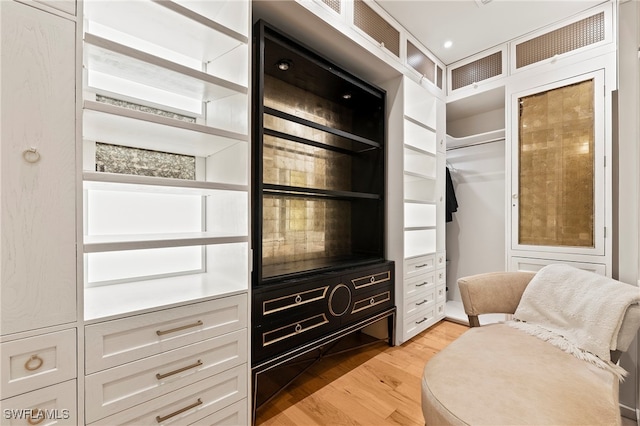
x,y
473,26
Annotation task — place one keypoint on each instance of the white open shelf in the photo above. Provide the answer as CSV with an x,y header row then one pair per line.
x,y
103,243
226,272
166,24
419,163
115,59
120,182
419,188
122,126
419,137
417,215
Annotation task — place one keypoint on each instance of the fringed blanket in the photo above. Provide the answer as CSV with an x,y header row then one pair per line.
x,y
578,311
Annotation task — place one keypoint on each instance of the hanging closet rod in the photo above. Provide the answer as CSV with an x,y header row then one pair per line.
x,y
473,140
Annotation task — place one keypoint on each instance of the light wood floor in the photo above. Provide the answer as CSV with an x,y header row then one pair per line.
x,y
377,385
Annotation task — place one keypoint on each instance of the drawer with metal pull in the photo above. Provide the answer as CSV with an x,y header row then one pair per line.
x,y
37,362
116,389
47,406
116,342
418,284
188,404
418,265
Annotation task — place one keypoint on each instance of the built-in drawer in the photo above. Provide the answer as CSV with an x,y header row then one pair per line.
x,y
188,404
36,362
418,284
420,302
235,414
440,310
116,342
119,388
418,265
441,277
47,406
419,322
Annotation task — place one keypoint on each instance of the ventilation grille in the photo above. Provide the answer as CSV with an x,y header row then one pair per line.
x,y
473,72
376,27
333,4
571,37
420,62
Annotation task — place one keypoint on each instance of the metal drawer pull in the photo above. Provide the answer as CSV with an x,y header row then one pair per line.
x,y
173,330
36,417
372,301
421,303
298,328
160,419
33,363
179,370
31,155
421,284
298,299
372,279
421,321
422,266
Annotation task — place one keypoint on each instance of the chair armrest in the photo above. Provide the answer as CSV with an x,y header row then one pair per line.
x,y
492,293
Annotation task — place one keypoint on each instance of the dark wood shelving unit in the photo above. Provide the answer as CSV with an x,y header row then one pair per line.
x,y
318,202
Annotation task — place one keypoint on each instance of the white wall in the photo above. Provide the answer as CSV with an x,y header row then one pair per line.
x,y
476,236
627,161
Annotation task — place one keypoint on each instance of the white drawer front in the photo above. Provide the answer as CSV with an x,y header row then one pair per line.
x,y
233,415
53,405
36,362
418,284
119,388
418,265
440,310
189,404
419,322
124,340
441,276
420,303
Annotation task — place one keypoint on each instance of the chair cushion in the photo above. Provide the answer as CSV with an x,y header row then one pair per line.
x,y
498,375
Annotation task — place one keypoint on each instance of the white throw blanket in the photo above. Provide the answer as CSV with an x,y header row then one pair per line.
x,y
578,311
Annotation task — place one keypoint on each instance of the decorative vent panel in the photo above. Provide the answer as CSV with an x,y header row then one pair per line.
x,y
376,27
420,62
439,78
333,4
571,37
473,72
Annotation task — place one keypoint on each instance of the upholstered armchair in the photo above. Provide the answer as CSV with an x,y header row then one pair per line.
x,y
533,369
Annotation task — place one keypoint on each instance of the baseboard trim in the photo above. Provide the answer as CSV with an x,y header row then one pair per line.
x,y
628,412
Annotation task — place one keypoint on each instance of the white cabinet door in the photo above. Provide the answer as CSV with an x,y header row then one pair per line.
x,y
38,169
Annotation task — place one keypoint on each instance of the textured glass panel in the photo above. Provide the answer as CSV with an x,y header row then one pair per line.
x,y
420,62
144,162
375,26
571,37
473,72
333,4
556,157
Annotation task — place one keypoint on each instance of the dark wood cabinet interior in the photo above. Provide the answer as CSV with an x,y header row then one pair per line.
x,y
318,162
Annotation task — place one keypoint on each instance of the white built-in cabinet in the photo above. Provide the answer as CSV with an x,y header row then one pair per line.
x,y
416,239
38,304
124,293
166,211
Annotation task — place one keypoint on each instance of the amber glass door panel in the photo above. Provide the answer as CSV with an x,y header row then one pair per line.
x,y
558,168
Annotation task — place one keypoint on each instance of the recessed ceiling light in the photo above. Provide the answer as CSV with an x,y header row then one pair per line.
x,y
284,64
448,44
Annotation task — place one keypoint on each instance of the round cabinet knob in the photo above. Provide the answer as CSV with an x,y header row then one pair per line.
x,y
372,301
298,328
33,363
514,196
31,155
298,299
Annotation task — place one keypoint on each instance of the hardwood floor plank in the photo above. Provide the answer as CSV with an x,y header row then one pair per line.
x,y
375,385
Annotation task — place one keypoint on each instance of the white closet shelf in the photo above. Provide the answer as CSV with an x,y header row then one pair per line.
x,y
112,58
122,126
419,228
120,182
413,176
417,150
104,243
169,25
118,300
413,201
